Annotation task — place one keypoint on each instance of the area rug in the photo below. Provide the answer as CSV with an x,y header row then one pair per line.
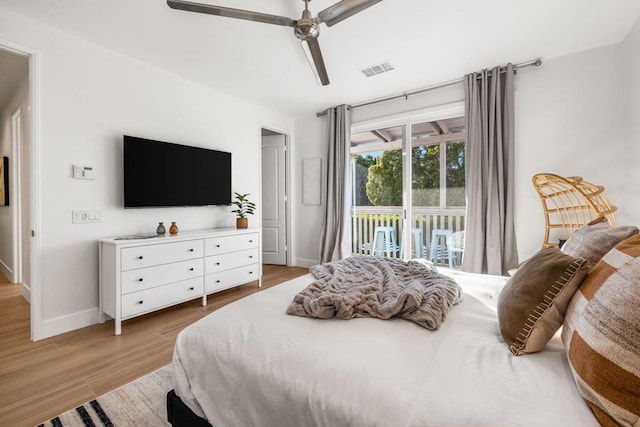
x,y
142,402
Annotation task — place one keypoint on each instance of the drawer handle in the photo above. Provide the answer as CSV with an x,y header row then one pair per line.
x,y
140,302
217,246
217,281
140,279
191,288
251,272
191,269
140,257
250,256
250,241
217,263
191,250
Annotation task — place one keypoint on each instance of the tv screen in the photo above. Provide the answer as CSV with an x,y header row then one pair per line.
x,y
159,173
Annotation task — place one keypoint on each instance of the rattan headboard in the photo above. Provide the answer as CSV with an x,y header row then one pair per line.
x,y
568,204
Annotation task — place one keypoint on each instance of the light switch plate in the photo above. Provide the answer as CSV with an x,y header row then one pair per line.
x,y
84,217
83,172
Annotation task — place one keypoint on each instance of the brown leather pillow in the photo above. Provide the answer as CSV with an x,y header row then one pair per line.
x,y
532,304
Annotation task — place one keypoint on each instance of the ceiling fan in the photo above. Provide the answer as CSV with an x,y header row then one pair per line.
x,y
306,28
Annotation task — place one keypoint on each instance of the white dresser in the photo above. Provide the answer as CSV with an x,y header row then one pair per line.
x,y
138,276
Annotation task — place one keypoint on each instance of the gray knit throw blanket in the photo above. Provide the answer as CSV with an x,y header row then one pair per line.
x,y
371,286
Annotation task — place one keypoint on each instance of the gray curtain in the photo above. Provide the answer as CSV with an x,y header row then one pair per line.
x,y
490,231
335,241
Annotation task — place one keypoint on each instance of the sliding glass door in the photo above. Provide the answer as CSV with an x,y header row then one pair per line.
x,y
377,208
438,191
408,187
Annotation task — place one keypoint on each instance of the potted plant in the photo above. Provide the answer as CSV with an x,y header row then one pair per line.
x,y
244,208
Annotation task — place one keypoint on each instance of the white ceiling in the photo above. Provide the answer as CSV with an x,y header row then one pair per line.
x,y
427,41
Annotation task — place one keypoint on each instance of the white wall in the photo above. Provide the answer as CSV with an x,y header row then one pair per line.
x,y
630,198
569,121
90,97
20,99
309,143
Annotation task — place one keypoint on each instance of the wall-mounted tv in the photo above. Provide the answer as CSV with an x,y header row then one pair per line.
x,y
160,174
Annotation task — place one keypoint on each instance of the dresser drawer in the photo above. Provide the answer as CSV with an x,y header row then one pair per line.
x,y
149,277
149,255
226,279
152,299
215,263
219,245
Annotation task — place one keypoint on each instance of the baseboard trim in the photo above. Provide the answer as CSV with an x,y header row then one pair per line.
x,y
26,292
4,268
307,263
69,322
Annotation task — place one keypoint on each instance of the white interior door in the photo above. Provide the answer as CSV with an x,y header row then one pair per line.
x,y
274,237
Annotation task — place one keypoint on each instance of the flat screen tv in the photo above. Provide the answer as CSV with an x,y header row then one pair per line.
x,y
160,174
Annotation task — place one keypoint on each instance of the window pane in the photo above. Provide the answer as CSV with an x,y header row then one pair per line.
x,y
426,175
376,215
377,167
384,183
455,174
361,164
437,187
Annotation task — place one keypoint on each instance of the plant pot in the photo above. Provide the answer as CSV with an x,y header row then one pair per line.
x,y
242,222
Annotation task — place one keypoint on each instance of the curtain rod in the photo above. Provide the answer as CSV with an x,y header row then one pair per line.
x,y
532,63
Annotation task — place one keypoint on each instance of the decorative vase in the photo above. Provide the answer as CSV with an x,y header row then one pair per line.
x,y
161,230
174,228
242,222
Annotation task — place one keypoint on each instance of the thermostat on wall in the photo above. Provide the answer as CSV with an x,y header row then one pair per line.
x,y
83,172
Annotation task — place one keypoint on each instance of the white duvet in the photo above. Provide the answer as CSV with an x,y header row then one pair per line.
x,y
251,364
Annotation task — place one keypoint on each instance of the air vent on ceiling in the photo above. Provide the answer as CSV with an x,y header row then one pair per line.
x,y
377,69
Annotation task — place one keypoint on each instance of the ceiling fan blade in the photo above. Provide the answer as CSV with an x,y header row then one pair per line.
x,y
231,13
312,50
344,9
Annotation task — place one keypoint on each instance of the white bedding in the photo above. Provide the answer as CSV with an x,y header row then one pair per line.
x,y
251,364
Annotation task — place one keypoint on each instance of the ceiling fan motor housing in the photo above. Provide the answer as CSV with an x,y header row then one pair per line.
x,y
306,27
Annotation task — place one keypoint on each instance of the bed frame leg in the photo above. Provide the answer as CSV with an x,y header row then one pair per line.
x,y
179,414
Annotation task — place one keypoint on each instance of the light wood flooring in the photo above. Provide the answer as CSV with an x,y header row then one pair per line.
x,y
39,380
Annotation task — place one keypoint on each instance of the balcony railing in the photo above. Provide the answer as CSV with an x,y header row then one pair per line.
x,y
365,220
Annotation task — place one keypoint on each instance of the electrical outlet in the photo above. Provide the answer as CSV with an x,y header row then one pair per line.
x,y
84,217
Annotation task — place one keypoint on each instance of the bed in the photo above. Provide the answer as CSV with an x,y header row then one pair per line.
x,y
251,364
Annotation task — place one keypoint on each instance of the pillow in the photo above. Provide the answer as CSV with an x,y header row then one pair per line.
x,y
594,240
603,338
532,304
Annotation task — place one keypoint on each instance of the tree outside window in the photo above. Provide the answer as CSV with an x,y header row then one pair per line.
x,y
378,176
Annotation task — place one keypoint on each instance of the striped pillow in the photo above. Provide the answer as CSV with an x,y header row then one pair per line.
x,y
602,334
594,240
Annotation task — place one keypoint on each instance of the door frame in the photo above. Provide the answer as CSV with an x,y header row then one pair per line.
x,y
16,147
287,184
35,245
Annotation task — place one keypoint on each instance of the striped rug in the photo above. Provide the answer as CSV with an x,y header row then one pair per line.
x,y
142,402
